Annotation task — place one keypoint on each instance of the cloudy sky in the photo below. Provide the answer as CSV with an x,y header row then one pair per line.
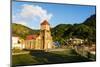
x,y
32,14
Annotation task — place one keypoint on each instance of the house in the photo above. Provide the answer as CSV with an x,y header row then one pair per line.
x,y
33,42
92,49
17,43
43,41
75,41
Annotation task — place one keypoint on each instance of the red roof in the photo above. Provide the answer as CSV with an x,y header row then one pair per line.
x,y
45,22
30,37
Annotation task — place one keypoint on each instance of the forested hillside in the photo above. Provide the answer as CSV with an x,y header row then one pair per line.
x,y
85,30
62,32
22,31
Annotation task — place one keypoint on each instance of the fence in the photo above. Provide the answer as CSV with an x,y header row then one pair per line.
x,y
84,51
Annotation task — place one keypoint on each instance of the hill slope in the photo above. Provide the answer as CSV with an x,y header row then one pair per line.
x,y
61,32
22,31
85,30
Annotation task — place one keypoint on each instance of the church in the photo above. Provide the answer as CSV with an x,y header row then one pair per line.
x,y
43,41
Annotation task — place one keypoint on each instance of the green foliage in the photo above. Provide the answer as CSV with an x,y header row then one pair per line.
x,y
85,30
91,21
82,31
66,56
22,31
58,31
23,59
62,32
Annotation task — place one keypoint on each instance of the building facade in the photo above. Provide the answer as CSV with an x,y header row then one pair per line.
x,y
33,42
17,43
43,41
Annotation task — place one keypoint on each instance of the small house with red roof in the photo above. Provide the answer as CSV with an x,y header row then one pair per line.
x,y
33,42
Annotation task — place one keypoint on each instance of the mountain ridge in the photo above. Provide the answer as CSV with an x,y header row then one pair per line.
x,y
85,30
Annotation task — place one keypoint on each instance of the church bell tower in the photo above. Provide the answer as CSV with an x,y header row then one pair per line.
x,y
46,38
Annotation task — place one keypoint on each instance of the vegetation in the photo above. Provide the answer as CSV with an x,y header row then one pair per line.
x,y
22,31
85,30
62,32
40,57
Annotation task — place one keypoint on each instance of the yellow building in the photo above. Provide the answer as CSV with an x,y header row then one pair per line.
x,y
32,42
42,41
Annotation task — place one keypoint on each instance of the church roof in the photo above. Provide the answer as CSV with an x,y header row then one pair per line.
x,y
30,37
45,22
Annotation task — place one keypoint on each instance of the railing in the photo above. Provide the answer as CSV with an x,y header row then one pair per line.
x,y
84,51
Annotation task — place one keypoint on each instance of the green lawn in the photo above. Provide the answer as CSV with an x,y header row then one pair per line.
x,y
41,57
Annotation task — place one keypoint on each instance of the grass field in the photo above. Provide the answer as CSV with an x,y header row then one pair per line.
x,y
41,57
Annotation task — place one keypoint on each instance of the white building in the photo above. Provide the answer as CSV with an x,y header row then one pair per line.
x,y
76,41
17,43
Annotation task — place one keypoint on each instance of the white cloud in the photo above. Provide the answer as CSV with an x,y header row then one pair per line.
x,y
33,12
30,15
13,17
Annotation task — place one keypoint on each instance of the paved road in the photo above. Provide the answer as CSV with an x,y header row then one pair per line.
x,y
58,49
